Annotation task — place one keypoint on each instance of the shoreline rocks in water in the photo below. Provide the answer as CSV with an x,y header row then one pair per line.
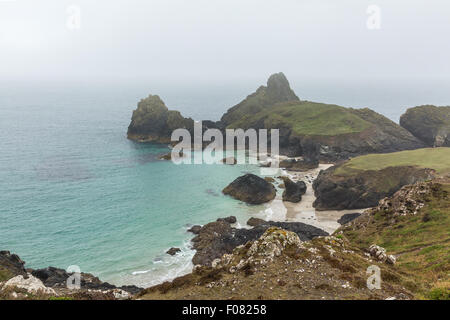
x,y
218,238
173,251
428,123
52,281
293,191
251,189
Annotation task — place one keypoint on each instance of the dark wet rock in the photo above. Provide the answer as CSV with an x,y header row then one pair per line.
x,y
363,189
217,238
428,123
293,190
251,189
173,251
230,219
57,278
346,218
253,222
10,266
195,229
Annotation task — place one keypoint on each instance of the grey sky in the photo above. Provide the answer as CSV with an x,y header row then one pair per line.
x,y
218,40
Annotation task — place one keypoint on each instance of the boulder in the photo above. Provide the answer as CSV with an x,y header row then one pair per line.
x,y
251,189
293,190
346,218
253,222
173,251
10,266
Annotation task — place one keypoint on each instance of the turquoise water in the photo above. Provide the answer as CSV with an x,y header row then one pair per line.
x,y
75,191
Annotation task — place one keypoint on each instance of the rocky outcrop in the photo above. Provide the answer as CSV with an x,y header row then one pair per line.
x,y
429,123
348,217
57,278
293,190
217,238
380,254
173,251
363,189
152,121
10,265
251,189
277,90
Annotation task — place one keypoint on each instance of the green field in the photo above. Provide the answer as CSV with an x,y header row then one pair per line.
x,y
433,158
306,118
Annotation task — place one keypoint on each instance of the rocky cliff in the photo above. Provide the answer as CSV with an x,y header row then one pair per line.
x,y
428,123
362,181
152,121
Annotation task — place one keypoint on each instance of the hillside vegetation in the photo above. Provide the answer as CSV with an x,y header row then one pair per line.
x,y
432,158
306,118
415,226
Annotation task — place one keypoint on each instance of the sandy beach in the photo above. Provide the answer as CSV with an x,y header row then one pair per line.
x,y
303,211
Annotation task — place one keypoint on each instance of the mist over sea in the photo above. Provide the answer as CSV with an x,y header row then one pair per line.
x,y
75,191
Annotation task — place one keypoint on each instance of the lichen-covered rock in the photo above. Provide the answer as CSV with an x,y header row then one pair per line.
x,y
429,123
380,254
30,284
271,244
251,189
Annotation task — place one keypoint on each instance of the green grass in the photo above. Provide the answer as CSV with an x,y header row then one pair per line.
x,y
433,158
306,118
421,243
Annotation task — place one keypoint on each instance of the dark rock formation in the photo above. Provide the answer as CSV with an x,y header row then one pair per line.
x,y
195,229
299,165
251,189
293,190
230,219
217,238
173,251
346,218
430,124
57,278
363,189
153,121
10,266
277,90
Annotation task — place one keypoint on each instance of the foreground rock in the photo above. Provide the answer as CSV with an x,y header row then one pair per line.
x,y
251,189
16,282
346,218
217,238
293,190
278,265
430,124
